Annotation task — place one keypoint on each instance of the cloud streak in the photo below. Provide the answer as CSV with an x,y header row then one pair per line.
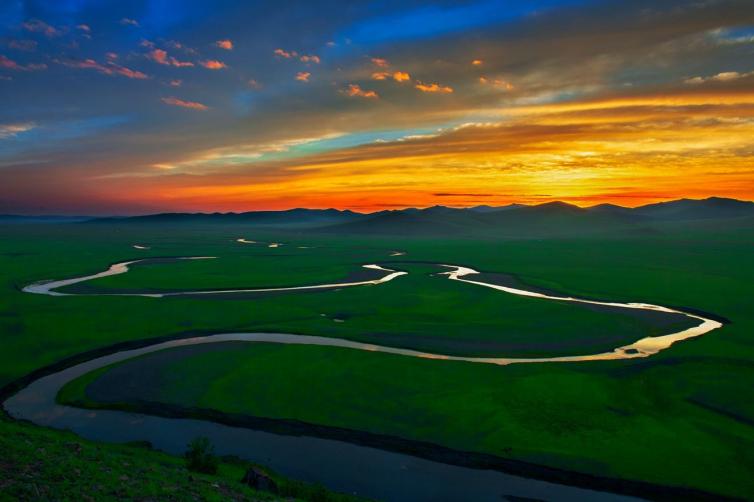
x,y
9,64
192,105
108,68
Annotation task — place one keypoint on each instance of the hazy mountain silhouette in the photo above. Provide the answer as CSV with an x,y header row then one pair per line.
x,y
514,220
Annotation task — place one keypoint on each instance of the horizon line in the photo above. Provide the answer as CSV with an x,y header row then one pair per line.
x,y
397,208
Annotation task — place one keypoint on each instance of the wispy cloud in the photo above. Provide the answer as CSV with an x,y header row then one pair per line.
x,y
9,64
398,76
38,26
161,56
498,83
12,130
303,76
356,90
129,22
726,76
304,58
382,63
285,54
444,89
213,64
225,44
109,68
23,45
193,105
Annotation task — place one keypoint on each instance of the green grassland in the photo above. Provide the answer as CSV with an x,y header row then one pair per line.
x,y
555,414
681,417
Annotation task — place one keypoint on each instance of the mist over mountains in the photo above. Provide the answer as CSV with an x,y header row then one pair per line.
x,y
516,220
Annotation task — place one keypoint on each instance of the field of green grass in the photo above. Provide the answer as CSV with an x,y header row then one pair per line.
x,y
680,417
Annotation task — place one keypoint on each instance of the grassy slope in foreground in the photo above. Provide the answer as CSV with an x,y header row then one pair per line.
x,y
557,414
42,464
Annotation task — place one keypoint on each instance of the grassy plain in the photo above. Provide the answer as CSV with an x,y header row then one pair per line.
x,y
680,417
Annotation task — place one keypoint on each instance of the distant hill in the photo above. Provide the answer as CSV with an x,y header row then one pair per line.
x,y
492,209
16,218
290,218
552,219
690,209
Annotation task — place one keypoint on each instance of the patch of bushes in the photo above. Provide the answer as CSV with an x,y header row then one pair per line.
x,y
200,456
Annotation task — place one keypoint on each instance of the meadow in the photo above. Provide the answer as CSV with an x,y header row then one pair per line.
x,y
677,418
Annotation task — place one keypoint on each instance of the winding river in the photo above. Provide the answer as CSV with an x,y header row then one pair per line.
x,y
642,348
49,287
341,466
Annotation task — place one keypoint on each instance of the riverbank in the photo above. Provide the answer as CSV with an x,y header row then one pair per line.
x,y
420,449
45,464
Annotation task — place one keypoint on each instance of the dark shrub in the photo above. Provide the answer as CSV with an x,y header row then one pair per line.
x,y
200,456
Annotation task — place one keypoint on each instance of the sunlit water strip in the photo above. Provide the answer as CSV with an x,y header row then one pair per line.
x,y
49,287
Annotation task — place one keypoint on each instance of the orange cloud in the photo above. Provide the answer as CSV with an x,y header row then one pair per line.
x,y
110,68
401,76
225,44
303,76
356,90
382,63
285,54
398,76
213,64
9,64
37,26
160,56
434,88
127,72
477,62
309,59
193,105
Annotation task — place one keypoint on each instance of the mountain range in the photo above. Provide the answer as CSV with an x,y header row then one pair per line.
x,y
552,218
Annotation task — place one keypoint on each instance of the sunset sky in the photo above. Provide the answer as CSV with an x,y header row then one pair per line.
x,y
114,107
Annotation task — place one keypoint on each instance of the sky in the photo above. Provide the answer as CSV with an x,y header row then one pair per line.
x,y
111,107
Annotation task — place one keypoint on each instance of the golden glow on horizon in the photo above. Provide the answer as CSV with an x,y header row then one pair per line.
x,y
628,151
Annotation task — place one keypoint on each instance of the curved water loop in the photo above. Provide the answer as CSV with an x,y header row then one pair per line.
x,y
642,348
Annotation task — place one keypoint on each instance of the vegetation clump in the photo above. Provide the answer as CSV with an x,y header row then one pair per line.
x,y
200,456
